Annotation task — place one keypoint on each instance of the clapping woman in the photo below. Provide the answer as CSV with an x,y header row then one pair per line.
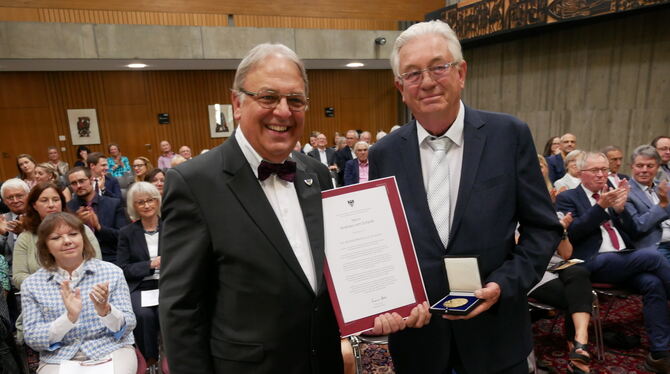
x,y
76,307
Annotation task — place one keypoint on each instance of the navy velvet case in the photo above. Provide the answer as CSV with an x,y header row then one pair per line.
x,y
463,277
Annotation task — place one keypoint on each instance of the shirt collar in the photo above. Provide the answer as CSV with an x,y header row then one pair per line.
x,y
454,133
253,158
88,266
643,187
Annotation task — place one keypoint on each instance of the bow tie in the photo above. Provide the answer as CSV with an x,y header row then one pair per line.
x,y
285,171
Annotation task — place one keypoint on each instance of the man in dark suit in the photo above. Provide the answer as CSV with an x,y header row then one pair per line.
x,y
615,157
242,246
345,154
488,164
556,163
358,169
104,184
598,235
323,153
104,215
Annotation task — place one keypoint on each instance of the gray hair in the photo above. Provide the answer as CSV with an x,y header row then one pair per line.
x,y
424,28
571,157
141,188
257,54
585,156
14,183
361,144
646,151
610,148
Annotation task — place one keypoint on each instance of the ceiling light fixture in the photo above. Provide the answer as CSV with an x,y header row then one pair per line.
x,y
355,65
137,65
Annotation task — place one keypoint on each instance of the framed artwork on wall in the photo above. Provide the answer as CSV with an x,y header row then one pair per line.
x,y
83,126
221,124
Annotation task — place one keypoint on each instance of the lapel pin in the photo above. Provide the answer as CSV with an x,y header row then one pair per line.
x,y
309,181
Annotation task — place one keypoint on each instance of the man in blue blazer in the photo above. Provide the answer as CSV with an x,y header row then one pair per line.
x,y
104,215
648,203
556,163
108,185
358,169
494,182
598,235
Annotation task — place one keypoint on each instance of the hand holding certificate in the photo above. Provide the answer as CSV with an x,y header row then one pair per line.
x,y
371,270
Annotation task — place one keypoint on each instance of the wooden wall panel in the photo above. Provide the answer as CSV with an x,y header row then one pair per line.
x,y
608,83
314,23
33,110
372,9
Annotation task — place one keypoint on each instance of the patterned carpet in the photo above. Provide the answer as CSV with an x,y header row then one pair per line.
x,y
625,317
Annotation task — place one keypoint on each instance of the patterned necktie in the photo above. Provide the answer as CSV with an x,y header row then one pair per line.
x,y
96,186
285,171
608,227
438,187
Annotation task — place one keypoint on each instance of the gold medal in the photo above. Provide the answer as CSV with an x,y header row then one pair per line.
x,y
455,303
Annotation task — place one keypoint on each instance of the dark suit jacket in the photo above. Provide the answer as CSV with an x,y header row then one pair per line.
x,y
584,232
500,185
647,217
351,175
112,188
556,167
330,155
111,217
233,297
341,158
132,254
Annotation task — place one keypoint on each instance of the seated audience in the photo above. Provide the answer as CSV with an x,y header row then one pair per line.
x,y
570,290
82,155
571,178
365,136
312,142
323,153
648,203
141,167
380,135
166,157
615,158
15,193
139,257
176,160
44,199
104,184
185,152
356,170
552,147
556,162
117,163
157,178
104,215
76,307
60,166
662,145
599,235
26,165
45,172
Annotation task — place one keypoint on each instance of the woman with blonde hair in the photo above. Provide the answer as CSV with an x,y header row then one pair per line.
x,y
46,172
141,166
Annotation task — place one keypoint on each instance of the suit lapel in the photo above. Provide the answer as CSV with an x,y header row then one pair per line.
x,y
473,143
138,232
641,195
309,195
244,185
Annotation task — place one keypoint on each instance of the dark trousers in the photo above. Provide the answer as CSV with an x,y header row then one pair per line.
x,y
147,329
570,292
648,272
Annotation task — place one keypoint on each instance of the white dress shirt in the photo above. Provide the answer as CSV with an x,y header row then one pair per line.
x,y
283,198
454,156
606,245
323,156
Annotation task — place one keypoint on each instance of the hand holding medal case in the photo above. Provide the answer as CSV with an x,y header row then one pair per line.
x,y
463,277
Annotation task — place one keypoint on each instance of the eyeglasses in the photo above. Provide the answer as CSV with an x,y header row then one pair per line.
x,y
149,201
79,182
598,170
269,99
436,72
139,165
16,197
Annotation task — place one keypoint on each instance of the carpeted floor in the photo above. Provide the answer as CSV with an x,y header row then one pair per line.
x,y
625,317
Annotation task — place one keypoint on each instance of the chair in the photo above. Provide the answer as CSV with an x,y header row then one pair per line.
x,y
611,291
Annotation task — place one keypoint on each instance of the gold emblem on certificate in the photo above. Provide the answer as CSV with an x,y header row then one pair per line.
x,y
455,303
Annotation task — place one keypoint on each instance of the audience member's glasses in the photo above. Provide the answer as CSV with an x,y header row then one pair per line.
x,y
597,170
269,99
16,197
139,165
78,182
149,201
436,72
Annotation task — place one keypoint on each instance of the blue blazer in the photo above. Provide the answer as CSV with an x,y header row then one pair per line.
x,y
111,217
351,172
647,217
132,254
556,167
341,158
584,232
112,187
500,186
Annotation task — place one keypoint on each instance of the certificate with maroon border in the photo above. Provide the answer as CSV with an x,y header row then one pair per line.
x,y
371,267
